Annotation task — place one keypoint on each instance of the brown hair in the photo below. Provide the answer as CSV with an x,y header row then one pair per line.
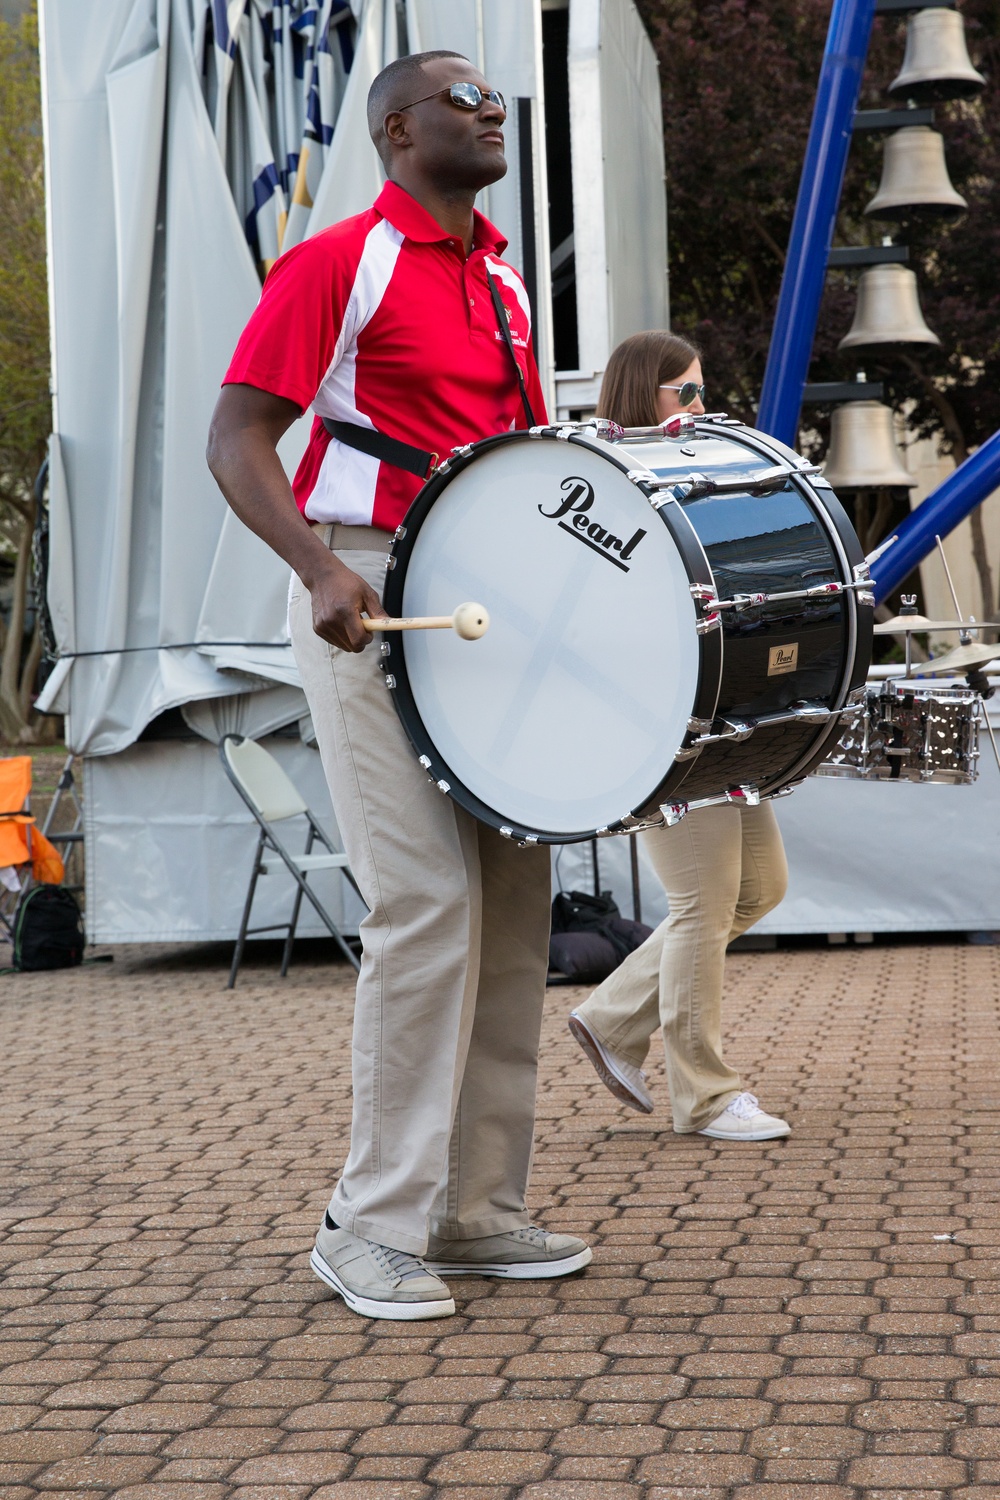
x,y
635,371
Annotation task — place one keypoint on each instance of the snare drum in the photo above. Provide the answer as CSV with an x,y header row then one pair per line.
x,y
907,731
673,621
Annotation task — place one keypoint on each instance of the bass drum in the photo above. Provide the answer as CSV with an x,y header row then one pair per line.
x,y
640,654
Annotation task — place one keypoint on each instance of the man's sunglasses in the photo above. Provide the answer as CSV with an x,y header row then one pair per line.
x,y
465,95
686,393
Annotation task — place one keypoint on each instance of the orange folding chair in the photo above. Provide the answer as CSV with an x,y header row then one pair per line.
x,y
26,855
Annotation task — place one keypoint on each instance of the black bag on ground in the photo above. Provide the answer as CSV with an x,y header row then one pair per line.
x,y
48,930
590,937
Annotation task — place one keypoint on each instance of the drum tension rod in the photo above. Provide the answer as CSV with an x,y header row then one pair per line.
x,y
742,796
765,482
741,729
861,586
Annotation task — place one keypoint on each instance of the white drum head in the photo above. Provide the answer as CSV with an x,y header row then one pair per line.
x,y
569,711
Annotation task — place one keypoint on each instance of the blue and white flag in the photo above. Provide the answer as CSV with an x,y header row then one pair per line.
x,y
274,74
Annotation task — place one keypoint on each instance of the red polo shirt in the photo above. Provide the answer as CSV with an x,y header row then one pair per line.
x,y
381,320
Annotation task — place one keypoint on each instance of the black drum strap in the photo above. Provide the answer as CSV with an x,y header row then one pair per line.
x,y
386,449
504,327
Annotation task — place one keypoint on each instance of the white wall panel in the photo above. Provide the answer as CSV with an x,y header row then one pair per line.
x,y
170,846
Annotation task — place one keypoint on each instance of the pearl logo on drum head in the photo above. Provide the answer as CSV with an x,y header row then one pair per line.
x,y
579,494
781,659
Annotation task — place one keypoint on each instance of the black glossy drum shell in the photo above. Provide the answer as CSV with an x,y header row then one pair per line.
x,y
761,761
768,545
772,545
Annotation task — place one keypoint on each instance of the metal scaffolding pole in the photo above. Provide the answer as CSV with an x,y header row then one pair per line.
x,y
815,217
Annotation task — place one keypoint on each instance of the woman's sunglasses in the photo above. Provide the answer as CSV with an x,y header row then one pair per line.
x,y
686,393
465,95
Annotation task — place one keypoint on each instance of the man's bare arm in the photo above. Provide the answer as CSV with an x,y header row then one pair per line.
x,y
247,426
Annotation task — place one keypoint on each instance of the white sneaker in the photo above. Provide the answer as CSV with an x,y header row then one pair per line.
x,y
744,1120
624,1079
527,1254
376,1281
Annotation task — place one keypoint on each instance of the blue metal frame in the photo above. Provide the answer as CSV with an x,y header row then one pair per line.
x,y
940,513
815,216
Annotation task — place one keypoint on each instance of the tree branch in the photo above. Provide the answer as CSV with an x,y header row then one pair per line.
x,y
768,239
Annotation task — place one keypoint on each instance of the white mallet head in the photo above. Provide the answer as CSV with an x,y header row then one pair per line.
x,y
470,621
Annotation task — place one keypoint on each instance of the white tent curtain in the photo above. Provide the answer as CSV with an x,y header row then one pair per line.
x,y
251,713
187,142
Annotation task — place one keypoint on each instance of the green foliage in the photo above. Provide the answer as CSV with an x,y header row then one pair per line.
x,y
25,407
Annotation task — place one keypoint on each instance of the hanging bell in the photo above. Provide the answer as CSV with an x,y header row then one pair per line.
x,y
863,454
936,65
915,179
888,311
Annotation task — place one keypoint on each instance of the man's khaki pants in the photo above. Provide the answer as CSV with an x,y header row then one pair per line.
x,y
452,983
722,869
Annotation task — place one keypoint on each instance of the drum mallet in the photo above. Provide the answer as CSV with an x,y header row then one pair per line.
x,y
470,621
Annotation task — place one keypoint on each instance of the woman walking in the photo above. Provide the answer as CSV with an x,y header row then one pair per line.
x,y
722,869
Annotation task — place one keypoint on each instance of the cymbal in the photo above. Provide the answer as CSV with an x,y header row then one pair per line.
x,y
959,660
907,624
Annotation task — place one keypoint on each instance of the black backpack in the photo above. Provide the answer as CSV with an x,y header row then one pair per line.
x,y
48,930
590,937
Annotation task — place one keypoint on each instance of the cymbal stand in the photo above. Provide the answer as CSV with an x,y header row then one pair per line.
x,y
964,636
979,683
989,731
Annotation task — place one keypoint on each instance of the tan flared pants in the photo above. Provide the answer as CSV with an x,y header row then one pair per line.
x,y
722,869
452,982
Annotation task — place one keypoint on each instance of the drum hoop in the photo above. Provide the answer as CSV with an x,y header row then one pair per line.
x,y
393,662
926,688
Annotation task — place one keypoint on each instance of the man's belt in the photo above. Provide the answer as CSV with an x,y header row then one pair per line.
x,y
386,449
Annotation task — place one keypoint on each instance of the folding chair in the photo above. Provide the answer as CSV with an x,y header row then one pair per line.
x,y
272,798
65,839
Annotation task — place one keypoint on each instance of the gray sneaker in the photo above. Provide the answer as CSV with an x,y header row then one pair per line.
x,y
624,1079
378,1282
528,1254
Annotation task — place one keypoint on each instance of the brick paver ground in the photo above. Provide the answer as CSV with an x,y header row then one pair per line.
x,y
816,1319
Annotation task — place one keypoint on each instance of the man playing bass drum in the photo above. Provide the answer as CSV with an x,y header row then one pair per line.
x,y
384,324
